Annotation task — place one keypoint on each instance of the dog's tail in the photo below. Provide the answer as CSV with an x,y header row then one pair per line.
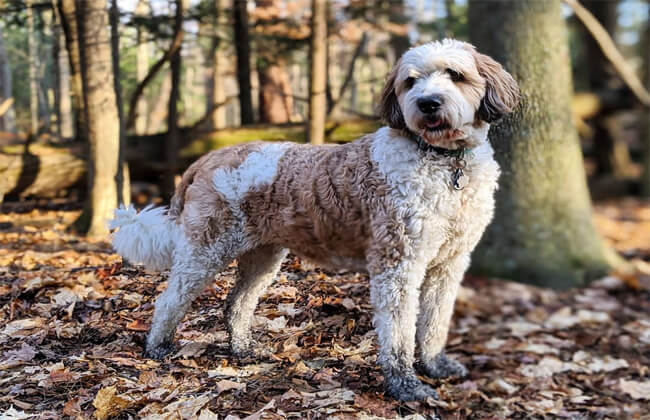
x,y
148,237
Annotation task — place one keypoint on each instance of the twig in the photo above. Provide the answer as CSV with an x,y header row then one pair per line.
x,y
610,51
4,106
350,74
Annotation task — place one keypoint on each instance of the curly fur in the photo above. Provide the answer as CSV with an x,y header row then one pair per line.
x,y
381,205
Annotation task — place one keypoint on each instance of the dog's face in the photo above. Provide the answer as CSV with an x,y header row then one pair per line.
x,y
447,93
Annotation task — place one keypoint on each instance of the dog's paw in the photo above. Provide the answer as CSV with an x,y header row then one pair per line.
x,y
159,352
246,350
443,367
408,387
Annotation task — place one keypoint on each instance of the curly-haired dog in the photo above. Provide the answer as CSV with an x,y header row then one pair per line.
x,y
406,204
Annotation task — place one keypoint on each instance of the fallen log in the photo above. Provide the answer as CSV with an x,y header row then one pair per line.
x,y
47,170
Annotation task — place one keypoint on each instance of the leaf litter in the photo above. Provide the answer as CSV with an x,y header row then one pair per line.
x,y
73,321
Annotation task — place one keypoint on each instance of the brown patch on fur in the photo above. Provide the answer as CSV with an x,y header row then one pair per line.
x,y
501,90
388,108
327,204
204,212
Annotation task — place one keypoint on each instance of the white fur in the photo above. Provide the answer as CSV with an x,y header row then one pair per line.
x,y
148,237
259,169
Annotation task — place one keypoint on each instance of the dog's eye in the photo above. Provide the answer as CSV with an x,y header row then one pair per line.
x,y
409,82
455,76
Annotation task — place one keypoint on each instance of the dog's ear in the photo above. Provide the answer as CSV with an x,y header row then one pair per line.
x,y
388,108
501,90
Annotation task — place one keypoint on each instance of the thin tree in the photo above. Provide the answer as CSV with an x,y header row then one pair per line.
x,y
242,46
173,130
33,69
216,96
543,231
7,120
645,115
62,95
141,66
101,112
318,73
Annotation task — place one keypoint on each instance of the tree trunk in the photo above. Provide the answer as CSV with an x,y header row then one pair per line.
x,y
242,45
218,60
318,72
101,115
142,66
543,231
122,177
7,120
63,104
68,14
172,142
33,70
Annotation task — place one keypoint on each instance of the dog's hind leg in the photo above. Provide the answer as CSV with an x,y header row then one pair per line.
x,y
257,270
437,297
394,296
193,269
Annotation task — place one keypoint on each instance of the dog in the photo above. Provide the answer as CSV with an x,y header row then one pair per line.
x,y
406,204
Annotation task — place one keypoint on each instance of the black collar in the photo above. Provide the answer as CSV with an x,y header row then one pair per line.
x,y
426,147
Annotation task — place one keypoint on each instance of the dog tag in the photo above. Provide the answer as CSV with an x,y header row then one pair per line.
x,y
458,179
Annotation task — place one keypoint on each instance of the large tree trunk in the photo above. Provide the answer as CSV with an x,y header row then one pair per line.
x,y
543,231
318,72
242,45
7,119
216,97
33,70
173,141
101,115
142,66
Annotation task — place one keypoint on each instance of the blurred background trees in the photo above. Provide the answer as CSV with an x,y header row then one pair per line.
x,y
193,75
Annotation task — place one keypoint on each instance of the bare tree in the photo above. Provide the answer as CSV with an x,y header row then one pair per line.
x,y
242,46
543,232
62,95
645,181
318,73
7,120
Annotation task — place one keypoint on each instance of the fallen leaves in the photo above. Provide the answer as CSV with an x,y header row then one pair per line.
x,y
73,321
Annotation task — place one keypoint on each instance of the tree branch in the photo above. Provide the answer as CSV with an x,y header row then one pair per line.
x,y
153,71
350,74
610,51
5,106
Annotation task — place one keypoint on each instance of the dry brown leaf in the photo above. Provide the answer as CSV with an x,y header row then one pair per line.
x,y
108,403
227,385
635,389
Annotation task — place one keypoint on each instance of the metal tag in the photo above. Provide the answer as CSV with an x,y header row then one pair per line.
x,y
458,179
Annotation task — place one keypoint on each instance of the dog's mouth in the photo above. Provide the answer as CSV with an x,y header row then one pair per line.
x,y
436,125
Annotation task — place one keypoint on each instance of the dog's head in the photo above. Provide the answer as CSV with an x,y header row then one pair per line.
x,y
447,93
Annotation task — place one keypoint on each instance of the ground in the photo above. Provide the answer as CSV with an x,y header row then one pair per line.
x,y
73,320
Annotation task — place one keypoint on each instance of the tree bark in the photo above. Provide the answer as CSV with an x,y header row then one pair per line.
x,y
173,133
33,69
218,62
242,46
101,116
318,73
543,231
141,67
7,119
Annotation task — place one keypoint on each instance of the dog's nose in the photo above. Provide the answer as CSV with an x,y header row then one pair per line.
x,y
430,104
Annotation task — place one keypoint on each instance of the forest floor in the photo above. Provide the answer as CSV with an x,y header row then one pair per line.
x,y
73,321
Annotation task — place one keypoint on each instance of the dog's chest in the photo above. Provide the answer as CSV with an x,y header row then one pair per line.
x,y
434,212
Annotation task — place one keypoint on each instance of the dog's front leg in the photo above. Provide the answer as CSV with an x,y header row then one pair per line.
x,y
437,297
394,296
